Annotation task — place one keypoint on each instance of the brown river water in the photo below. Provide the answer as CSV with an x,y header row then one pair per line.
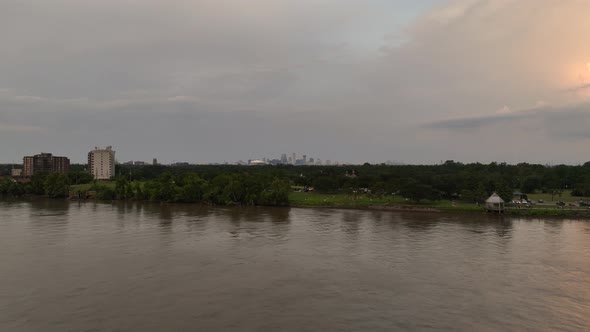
x,y
150,267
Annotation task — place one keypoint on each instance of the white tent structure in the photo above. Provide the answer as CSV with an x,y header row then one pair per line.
x,y
495,203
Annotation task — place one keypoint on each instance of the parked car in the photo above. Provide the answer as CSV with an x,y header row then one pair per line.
x,y
541,201
584,203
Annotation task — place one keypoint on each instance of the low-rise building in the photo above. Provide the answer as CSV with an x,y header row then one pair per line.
x,y
16,172
45,162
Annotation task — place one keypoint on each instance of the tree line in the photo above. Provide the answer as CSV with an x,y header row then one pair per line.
x,y
232,188
270,185
450,180
239,188
53,185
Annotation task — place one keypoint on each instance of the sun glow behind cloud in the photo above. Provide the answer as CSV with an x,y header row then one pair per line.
x,y
201,65
575,81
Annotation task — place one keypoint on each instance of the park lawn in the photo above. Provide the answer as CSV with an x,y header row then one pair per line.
x,y
311,199
566,196
303,199
455,205
339,200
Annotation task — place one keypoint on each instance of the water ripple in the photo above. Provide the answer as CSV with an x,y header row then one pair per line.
x,y
153,267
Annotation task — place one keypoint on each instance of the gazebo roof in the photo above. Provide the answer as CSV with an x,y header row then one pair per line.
x,y
494,199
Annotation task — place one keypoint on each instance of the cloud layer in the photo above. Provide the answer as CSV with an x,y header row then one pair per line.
x,y
233,79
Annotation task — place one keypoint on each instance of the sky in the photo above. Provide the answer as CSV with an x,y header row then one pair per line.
x,y
353,81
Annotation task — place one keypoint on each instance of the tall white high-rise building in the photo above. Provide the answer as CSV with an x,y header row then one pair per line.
x,y
101,162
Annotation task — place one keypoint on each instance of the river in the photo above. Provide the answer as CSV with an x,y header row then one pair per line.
x,y
150,267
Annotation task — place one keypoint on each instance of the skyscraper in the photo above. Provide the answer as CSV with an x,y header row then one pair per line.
x,y
101,162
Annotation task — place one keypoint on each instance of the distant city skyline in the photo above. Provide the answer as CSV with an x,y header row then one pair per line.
x,y
354,81
273,159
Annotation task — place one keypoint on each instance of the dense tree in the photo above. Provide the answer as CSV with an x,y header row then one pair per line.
x,y
37,184
582,188
192,189
245,185
326,184
56,185
531,184
123,188
417,191
10,187
79,177
104,192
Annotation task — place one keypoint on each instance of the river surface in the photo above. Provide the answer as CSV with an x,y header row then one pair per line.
x,y
151,267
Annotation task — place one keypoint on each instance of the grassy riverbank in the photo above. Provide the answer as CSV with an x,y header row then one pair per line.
x,y
398,203
300,199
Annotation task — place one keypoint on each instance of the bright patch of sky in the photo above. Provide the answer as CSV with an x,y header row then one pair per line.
x,y
384,26
350,80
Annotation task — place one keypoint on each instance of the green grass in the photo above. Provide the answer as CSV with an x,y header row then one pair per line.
x,y
365,201
566,196
87,186
339,200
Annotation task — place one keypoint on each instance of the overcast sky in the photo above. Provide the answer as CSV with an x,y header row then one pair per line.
x,y
222,80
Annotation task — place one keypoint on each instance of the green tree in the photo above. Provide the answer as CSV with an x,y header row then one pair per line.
x,y
504,191
9,187
138,193
530,184
326,184
468,195
79,177
192,190
56,185
105,193
417,191
216,192
37,184
123,188
277,193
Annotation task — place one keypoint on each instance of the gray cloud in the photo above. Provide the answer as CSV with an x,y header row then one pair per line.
x,y
578,88
565,122
232,79
473,123
545,134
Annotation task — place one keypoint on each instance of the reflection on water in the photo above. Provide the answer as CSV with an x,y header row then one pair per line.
x,y
156,267
46,207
